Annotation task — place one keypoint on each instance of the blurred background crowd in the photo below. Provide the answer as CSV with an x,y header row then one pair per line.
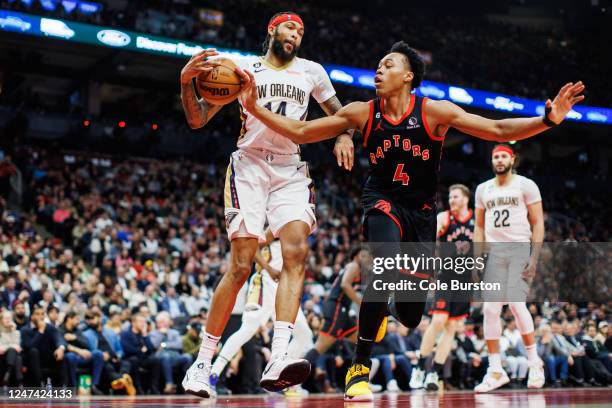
x,y
112,235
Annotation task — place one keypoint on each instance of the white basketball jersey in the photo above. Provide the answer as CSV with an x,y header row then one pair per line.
x,y
286,91
506,208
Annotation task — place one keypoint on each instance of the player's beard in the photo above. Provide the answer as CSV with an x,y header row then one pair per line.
x,y
278,49
505,170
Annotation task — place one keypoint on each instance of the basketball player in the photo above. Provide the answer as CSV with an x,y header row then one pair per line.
x,y
265,180
449,307
260,308
508,210
402,136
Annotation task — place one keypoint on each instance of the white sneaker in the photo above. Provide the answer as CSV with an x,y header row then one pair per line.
x,y
392,386
197,380
490,383
375,387
536,378
416,380
284,371
431,381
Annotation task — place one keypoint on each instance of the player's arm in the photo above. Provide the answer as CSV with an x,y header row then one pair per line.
x,y
350,275
535,215
479,239
198,112
344,149
353,115
274,273
446,114
442,223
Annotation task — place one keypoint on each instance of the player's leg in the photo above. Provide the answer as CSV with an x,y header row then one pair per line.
x,y
442,351
283,371
496,376
438,321
524,322
379,227
302,337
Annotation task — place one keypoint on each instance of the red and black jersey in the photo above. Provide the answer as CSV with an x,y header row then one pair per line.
x,y
457,229
336,293
404,155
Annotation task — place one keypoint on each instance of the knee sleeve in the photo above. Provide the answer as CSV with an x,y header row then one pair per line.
x,y
492,320
524,321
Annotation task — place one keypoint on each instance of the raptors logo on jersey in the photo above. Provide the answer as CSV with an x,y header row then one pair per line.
x,y
404,155
506,208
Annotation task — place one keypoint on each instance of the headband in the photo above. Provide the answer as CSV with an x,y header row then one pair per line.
x,y
283,18
503,148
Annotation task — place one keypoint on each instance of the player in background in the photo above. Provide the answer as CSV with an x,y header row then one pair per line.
x,y
509,210
449,307
266,180
402,136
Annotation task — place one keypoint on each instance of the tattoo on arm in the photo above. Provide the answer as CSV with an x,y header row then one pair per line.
x,y
331,106
197,112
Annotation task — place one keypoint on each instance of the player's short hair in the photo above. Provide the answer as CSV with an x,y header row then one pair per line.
x,y
266,43
354,251
415,62
462,187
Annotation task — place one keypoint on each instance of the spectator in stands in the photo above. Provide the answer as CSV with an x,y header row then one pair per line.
x,y
10,293
172,304
20,316
116,368
78,353
599,358
167,341
43,349
392,355
577,362
10,351
140,352
191,339
467,358
556,362
514,353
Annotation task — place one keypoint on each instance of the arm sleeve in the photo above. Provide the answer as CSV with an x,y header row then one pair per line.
x,y
531,192
478,197
323,88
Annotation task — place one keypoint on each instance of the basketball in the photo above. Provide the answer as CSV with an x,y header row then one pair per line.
x,y
221,85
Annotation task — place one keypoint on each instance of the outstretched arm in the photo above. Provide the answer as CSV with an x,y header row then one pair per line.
x,y
353,115
445,114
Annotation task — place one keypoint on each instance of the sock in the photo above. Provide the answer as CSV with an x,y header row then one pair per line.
x,y
219,365
422,362
312,356
363,351
437,367
208,347
282,335
532,353
495,362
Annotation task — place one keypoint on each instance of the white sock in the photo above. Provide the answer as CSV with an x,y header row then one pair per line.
x,y
282,335
532,353
495,363
208,347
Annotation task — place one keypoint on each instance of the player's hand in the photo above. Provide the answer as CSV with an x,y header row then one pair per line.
x,y
248,90
529,272
344,150
198,64
568,96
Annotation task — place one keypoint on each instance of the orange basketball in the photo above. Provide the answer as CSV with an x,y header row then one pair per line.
x,y
221,85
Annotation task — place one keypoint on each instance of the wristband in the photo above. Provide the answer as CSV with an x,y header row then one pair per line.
x,y
546,119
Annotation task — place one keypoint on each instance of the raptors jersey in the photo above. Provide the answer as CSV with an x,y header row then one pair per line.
x,y
457,229
404,155
506,208
286,91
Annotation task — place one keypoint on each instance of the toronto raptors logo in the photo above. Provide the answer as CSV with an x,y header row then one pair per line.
x,y
412,121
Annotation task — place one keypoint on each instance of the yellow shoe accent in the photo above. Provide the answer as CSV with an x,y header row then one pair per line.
x,y
358,384
382,330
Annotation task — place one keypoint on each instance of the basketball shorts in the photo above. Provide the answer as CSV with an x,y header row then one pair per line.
x,y
262,186
505,267
338,321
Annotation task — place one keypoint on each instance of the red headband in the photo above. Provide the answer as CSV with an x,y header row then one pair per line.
x,y
285,17
503,148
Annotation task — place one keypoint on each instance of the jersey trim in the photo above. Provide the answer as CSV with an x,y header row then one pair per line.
x,y
369,125
469,216
404,116
427,129
267,64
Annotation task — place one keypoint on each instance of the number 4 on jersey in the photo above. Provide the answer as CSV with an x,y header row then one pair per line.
x,y
400,175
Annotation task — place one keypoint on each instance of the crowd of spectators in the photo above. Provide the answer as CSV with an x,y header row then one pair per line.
x,y
467,49
108,266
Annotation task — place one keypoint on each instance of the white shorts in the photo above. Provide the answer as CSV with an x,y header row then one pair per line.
x,y
260,185
506,268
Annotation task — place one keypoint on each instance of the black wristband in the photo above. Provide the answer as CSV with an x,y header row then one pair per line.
x,y
546,119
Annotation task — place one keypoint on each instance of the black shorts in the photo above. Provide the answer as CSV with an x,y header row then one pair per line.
x,y
337,321
416,223
454,303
